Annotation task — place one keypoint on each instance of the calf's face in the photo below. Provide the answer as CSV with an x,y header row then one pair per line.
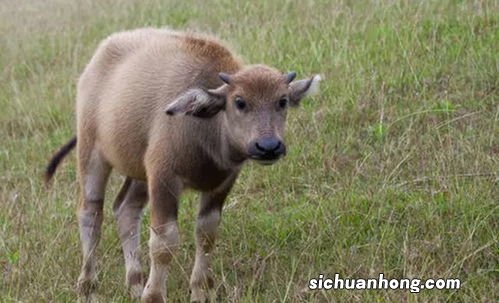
x,y
254,103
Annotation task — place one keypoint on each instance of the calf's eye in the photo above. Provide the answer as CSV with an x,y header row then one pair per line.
x,y
283,102
240,103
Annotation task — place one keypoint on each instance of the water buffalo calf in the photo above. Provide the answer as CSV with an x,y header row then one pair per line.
x,y
170,110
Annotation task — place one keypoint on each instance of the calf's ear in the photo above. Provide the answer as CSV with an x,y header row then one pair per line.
x,y
198,102
303,88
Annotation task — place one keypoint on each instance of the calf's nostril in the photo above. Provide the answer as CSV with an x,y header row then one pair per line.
x,y
259,147
277,146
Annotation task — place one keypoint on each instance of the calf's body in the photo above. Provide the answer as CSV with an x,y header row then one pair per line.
x,y
170,111
125,89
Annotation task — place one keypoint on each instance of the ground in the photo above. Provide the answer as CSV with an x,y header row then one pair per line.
x,y
392,169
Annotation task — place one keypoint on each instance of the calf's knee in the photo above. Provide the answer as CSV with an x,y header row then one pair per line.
x,y
163,243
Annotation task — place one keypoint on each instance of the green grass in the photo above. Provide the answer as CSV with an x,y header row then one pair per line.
x,y
393,168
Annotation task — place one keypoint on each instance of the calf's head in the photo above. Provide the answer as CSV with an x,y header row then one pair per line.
x,y
254,103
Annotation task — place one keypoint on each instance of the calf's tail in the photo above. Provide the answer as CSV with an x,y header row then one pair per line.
x,y
57,158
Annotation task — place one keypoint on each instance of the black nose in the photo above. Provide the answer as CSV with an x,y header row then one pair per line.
x,y
268,145
267,148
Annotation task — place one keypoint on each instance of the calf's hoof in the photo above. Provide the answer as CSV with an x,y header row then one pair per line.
x,y
86,291
202,287
135,283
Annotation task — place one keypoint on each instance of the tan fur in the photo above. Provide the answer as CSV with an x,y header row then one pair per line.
x,y
133,78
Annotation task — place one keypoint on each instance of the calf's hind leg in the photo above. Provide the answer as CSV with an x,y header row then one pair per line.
x,y
94,173
128,209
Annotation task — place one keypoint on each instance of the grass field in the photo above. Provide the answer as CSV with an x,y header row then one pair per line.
x,y
393,168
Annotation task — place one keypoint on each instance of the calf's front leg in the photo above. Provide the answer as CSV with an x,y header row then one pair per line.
x,y
164,238
201,282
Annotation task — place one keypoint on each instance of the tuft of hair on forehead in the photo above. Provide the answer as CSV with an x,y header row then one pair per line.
x,y
260,71
259,79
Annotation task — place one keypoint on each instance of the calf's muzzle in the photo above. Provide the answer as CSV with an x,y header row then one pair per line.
x,y
267,149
